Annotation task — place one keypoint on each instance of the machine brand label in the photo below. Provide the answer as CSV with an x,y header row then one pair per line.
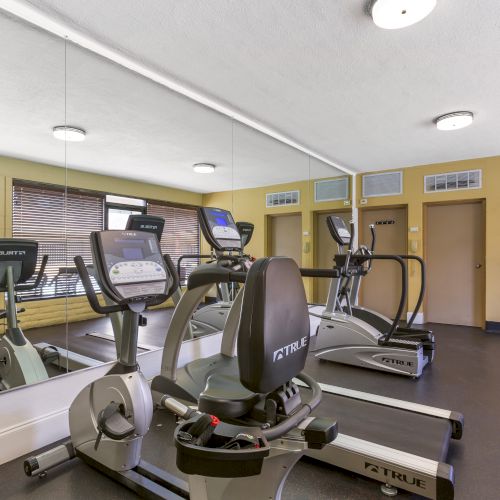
x,y
12,252
392,474
400,362
286,350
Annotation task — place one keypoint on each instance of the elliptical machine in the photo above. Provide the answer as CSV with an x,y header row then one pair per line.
x,y
348,291
109,418
20,362
356,336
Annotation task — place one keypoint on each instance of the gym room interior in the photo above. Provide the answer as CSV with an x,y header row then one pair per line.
x,y
316,185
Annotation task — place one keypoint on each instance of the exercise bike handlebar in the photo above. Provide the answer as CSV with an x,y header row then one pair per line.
x,y
176,282
89,289
38,280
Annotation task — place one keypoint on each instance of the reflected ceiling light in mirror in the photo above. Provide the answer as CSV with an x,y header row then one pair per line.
x,y
204,168
454,121
70,134
396,14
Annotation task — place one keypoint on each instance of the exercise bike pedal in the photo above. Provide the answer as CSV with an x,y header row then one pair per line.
x,y
112,423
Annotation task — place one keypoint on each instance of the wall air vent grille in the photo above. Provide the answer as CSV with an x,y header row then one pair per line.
x,y
331,190
452,181
386,184
284,198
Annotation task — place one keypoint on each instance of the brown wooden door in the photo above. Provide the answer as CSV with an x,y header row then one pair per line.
x,y
455,238
381,288
325,250
286,236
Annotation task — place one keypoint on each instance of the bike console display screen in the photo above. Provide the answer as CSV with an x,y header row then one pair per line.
x,y
219,228
133,262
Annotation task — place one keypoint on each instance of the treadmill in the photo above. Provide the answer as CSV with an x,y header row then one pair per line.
x,y
398,443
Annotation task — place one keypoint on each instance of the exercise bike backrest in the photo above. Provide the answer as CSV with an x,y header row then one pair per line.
x,y
273,336
21,256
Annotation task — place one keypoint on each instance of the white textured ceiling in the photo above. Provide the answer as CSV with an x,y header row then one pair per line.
x,y
320,71
136,129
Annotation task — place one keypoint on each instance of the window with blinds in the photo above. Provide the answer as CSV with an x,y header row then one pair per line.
x,y
61,222
181,234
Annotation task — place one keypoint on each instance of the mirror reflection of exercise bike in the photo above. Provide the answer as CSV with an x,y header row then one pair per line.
x,y
20,362
210,318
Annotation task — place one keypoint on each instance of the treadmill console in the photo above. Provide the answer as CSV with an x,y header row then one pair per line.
x,y
338,229
130,265
20,255
219,229
149,223
246,231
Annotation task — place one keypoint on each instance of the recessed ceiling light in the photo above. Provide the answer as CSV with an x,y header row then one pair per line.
x,y
204,168
395,14
71,134
454,121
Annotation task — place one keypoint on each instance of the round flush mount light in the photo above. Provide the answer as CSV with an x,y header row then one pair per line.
x,y
454,121
71,134
204,168
396,14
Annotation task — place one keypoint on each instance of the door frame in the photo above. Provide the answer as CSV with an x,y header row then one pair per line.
x,y
269,230
362,211
468,201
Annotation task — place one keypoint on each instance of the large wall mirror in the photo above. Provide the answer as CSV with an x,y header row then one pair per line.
x,y
141,145
133,147
33,205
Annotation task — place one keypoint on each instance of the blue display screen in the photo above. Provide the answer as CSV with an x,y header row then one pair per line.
x,y
134,253
219,218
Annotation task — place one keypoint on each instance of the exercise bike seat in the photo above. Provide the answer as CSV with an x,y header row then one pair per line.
x,y
225,397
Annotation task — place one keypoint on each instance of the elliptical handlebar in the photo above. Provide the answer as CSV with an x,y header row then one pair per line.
x,y
404,289
423,282
374,238
89,289
38,280
190,256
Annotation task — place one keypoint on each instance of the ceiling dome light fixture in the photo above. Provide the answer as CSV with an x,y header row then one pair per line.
x,y
396,14
70,134
454,121
204,168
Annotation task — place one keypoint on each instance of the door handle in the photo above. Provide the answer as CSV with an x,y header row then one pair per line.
x,y
479,266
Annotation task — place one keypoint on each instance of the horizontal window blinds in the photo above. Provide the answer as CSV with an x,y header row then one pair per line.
x,y
181,234
61,223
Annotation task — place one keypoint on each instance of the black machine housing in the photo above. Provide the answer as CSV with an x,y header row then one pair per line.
x,y
219,229
127,259
21,255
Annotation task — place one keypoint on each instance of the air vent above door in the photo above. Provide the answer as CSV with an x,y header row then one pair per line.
x,y
452,181
386,184
283,198
331,190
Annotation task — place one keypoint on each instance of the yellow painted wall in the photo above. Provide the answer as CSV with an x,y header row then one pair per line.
x,y
250,205
414,197
56,311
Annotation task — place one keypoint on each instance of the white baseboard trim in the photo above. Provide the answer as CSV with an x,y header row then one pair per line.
x,y
419,320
